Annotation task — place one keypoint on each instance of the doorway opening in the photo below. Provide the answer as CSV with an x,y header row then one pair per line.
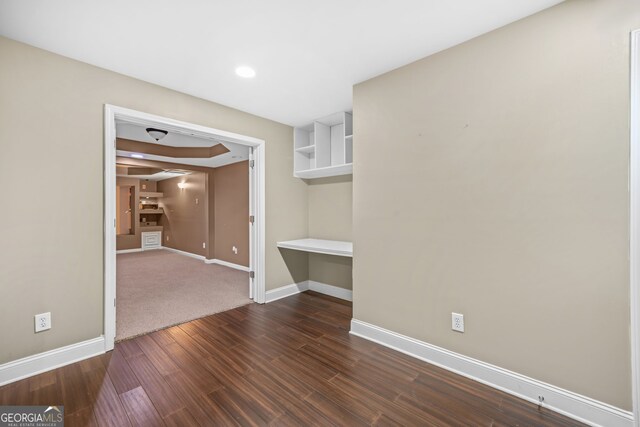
x,y
160,199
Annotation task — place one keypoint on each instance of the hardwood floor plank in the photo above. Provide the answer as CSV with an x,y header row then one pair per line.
x,y
162,337
139,408
119,371
218,355
156,354
42,380
91,364
288,337
81,418
276,391
241,410
181,418
164,398
129,348
18,393
107,406
203,409
288,363
75,392
188,343
266,407
327,358
384,406
50,395
286,379
334,412
201,381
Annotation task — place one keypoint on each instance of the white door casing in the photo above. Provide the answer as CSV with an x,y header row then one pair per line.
x,y
257,201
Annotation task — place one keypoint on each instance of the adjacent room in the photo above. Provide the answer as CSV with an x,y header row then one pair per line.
x,y
335,213
182,228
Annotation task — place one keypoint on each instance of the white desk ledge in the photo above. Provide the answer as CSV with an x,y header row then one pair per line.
x,y
318,246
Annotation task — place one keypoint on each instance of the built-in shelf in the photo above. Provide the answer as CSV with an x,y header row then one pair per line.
x,y
307,149
319,246
324,148
324,172
151,211
151,194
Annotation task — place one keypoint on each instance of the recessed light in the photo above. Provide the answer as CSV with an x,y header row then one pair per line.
x,y
137,156
246,72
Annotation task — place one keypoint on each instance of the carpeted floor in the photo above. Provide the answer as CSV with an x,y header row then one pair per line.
x,y
158,288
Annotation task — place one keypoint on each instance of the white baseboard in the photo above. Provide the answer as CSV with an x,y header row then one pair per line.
x,y
189,254
571,404
207,261
308,285
128,251
331,290
227,264
38,363
286,291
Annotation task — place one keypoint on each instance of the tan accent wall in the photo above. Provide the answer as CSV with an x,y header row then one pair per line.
x,y
231,185
51,113
491,180
226,210
146,185
330,217
130,241
185,218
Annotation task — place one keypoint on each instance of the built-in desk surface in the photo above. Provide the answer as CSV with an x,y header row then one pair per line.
x,y
319,246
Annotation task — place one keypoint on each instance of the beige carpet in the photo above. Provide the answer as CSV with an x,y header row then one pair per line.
x,y
156,289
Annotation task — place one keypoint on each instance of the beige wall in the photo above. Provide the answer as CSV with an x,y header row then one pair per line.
x,y
51,112
504,197
330,217
231,189
185,220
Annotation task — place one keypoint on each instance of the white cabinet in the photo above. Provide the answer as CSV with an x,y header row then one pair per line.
x,y
324,147
151,240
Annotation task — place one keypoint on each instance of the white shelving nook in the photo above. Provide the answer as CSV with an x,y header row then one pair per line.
x,y
319,246
324,147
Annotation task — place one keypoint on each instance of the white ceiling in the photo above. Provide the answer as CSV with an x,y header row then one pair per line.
x,y
307,54
237,152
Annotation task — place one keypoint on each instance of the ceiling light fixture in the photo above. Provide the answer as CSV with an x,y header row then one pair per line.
x,y
157,134
137,156
246,72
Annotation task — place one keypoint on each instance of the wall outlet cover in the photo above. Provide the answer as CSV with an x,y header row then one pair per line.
x,y
43,321
457,322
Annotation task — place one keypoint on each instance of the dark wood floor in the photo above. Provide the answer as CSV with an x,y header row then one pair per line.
x,y
291,362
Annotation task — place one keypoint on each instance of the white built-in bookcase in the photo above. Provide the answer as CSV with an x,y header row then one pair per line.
x,y
324,147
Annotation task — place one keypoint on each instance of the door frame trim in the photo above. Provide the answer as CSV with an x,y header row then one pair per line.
x,y
634,221
257,205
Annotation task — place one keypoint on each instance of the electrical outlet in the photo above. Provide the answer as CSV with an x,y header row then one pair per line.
x,y
167,237
204,245
43,322
457,322
235,250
